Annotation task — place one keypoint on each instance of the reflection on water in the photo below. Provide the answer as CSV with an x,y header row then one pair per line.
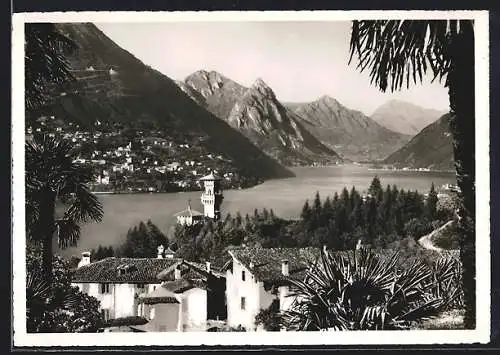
x,y
285,196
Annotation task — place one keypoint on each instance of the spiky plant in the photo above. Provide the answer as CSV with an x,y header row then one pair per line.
x,y
361,291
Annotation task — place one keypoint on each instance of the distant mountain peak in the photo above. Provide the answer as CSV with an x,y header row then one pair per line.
x,y
264,89
405,117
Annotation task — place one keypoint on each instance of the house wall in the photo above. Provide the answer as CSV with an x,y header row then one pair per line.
x,y
285,300
194,309
120,301
255,295
165,319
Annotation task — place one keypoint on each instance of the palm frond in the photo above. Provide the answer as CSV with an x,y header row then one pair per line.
x,y
398,51
67,232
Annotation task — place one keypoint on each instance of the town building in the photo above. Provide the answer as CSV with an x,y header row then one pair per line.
x,y
211,199
189,217
168,293
257,277
212,196
118,282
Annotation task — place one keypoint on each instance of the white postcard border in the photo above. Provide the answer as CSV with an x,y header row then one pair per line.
x,y
481,334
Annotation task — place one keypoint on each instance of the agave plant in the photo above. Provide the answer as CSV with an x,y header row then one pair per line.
x,y
359,290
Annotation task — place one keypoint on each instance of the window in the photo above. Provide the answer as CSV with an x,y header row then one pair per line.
x,y
243,303
243,275
141,288
104,288
105,314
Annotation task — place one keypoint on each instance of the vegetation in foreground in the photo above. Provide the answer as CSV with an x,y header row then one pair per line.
x,y
363,291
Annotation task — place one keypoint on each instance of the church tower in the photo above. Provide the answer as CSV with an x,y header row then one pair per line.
x,y
212,197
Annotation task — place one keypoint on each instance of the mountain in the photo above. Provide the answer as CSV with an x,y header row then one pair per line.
x,y
349,132
219,93
112,85
404,117
431,148
257,113
276,129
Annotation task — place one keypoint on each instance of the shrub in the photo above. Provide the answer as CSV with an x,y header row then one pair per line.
x,y
361,291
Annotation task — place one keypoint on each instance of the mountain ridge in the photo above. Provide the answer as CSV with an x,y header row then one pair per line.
x,y
405,117
113,85
348,131
258,114
432,148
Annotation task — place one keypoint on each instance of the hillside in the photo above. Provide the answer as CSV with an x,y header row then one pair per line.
x,y
404,117
114,86
431,148
275,129
348,132
219,93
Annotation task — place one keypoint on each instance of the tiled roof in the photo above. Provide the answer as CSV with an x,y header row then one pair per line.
x,y
189,271
210,176
182,285
160,295
267,262
140,270
189,213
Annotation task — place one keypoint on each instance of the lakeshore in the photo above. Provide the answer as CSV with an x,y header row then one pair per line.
x,y
285,196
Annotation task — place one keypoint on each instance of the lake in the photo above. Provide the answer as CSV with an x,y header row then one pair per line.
x,y
285,196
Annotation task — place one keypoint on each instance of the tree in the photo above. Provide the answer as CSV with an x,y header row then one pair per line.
x,y
306,212
375,187
142,241
45,62
431,203
51,175
57,306
398,51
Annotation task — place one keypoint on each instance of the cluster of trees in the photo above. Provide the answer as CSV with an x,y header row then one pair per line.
x,y
378,218
57,306
142,241
383,218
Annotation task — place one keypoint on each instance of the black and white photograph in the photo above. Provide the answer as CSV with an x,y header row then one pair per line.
x,y
293,176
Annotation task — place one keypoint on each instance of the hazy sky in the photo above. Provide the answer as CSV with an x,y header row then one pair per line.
x,y
300,61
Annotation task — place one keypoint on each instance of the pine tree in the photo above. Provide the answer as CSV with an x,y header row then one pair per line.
x,y
431,203
306,212
317,204
375,187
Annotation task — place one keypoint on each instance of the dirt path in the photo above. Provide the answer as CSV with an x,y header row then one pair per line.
x,y
426,240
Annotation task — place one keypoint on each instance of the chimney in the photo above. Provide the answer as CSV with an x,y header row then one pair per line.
x,y
177,273
359,244
325,250
252,265
208,266
284,268
161,249
85,259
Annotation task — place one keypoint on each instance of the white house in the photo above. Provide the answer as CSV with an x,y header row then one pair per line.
x,y
178,305
188,217
169,293
256,277
118,282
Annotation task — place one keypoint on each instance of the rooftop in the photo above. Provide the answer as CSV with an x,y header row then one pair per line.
x,y
267,261
210,177
135,270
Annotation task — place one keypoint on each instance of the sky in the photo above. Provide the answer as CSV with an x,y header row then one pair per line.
x,y
300,61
